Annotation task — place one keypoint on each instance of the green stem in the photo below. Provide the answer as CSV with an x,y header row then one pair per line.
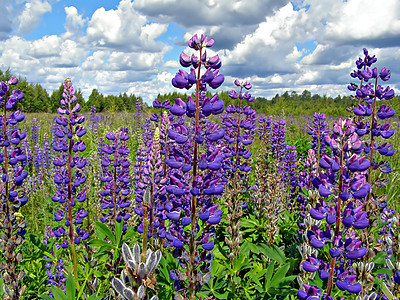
x,y
71,225
145,230
338,211
372,148
192,245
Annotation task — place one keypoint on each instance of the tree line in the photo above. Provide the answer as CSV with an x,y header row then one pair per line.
x,y
37,99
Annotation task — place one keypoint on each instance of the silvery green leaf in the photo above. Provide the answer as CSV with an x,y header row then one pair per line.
x,y
22,290
300,281
154,298
207,278
124,278
389,264
128,294
386,291
136,253
150,262
146,196
373,296
126,253
142,270
371,267
132,264
140,292
158,258
7,290
148,252
95,282
21,275
118,286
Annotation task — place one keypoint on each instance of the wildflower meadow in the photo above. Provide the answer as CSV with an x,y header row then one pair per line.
x,y
197,197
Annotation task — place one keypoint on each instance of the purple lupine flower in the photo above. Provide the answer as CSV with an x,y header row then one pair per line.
x,y
46,153
278,143
350,187
55,274
195,175
238,126
35,128
69,177
115,178
309,293
318,132
13,195
288,170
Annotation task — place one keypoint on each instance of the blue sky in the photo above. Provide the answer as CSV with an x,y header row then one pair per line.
x,y
134,46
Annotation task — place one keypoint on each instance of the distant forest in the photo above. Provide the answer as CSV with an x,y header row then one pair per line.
x,y
37,99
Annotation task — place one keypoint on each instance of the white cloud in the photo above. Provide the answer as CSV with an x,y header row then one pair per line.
x,y
123,28
46,46
228,21
74,22
123,49
31,15
365,20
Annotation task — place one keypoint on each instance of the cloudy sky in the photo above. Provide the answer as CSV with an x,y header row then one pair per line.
x,y
134,46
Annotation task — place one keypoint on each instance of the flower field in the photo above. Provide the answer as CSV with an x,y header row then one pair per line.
x,y
201,200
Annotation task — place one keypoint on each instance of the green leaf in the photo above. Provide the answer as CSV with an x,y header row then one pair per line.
x,y
268,275
255,278
98,242
93,297
118,231
58,293
221,296
240,262
279,275
106,231
70,287
129,233
380,258
45,297
382,271
386,291
273,254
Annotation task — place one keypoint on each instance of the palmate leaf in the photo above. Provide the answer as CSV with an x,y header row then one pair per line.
x,y
279,275
268,276
275,254
102,228
101,243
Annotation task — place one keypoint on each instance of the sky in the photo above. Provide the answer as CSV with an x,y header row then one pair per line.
x,y
134,46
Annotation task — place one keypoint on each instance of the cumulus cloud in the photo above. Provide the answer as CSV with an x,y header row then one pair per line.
x,y
266,42
366,22
31,15
228,21
123,28
74,22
